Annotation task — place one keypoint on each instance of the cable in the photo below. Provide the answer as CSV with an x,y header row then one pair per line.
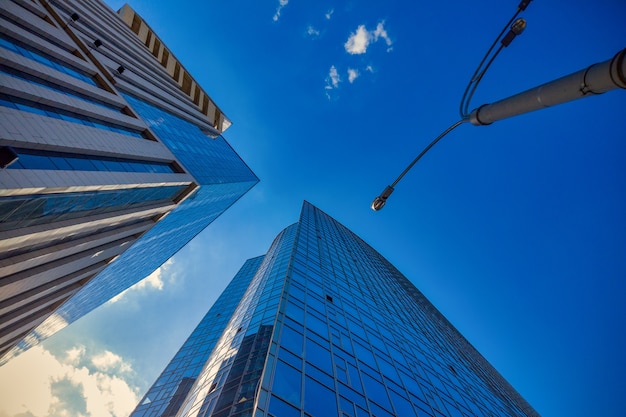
x,y
379,202
426,149
516,27
462,107
465,111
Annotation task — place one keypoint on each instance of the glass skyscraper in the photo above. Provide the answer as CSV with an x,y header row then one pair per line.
x,y
111,159
323,325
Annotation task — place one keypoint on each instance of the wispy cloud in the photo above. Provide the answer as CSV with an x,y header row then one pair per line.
x,y
352,75
333,77
359,41
311,31
380,32
329,14
369,68
281,4
332,81
154,281
69,386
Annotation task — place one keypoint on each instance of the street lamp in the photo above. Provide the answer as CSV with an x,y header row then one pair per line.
x,y
595,79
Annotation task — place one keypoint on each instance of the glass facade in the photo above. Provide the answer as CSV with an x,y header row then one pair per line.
x,y
24,211
223,178
80,165
38,159
55,113
166,395
36,55
20,75
328,327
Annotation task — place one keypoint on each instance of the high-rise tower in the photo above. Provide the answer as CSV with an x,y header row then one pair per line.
x,y
111,160
323,325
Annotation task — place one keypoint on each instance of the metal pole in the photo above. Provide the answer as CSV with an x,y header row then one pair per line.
x,y
596,79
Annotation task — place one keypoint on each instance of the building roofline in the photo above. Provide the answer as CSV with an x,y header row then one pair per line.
x,y
174,68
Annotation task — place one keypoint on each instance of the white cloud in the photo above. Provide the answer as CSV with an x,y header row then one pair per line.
x,y
74,355
359,41
311,31
108,361
329,14
352,75
369,68
332,81
38,384
380,32
281,4
333,76
155,280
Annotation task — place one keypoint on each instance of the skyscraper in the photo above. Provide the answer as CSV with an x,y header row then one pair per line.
x,y
323,325
111,160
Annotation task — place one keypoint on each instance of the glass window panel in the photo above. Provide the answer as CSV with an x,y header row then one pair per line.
x,y
346,406
360,412
319,400
34,162
401,405
342,375
388,369
375,390
355,380
292,340
365,355
319,375
296,292
315,303
287,383
290,358
295,312
279,408
72,205
81,164
380,412
318,356
100,165
453,410
317,325
352,395
8,45
61,164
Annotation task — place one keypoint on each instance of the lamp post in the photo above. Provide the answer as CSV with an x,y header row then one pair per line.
x,y
595,79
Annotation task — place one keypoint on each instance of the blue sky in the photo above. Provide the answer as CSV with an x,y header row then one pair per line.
x,y
515,231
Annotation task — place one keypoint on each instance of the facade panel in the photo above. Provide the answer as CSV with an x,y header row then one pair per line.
x,y
329,327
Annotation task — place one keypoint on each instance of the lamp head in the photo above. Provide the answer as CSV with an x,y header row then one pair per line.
x,y
379,202
518,26
516,29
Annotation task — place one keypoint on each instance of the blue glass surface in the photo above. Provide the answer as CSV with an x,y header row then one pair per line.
x,y
48,111
191,358
51,86
33,159
373,345
23,211
223,178
211,161
28,52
